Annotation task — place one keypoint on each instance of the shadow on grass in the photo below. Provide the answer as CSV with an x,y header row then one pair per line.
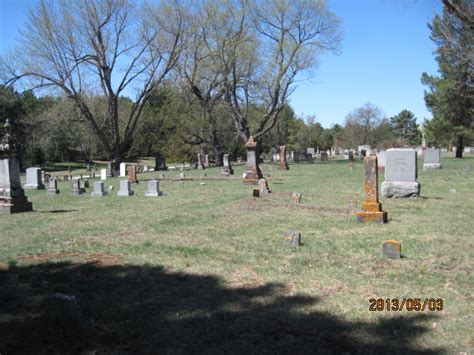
x,y
133,309
56,211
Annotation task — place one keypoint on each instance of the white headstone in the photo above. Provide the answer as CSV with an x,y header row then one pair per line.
x,y
33,179
103,174
123,170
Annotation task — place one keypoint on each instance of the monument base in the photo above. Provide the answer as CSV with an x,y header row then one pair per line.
x,y
432,166
401,189
252,176
372,216
9,205
153,194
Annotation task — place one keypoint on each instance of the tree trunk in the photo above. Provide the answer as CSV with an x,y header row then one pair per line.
x,y
217,147
460,147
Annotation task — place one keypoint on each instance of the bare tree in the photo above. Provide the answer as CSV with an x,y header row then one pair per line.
x,y
273,43
100,47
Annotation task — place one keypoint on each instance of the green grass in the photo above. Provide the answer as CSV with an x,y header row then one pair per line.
x,y
204,267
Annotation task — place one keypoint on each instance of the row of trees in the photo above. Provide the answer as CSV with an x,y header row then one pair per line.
x,y
53,129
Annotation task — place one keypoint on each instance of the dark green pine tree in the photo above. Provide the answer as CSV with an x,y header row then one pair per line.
x,y
404,125
450,96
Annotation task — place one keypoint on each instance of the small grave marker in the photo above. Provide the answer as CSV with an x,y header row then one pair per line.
x,y
392,249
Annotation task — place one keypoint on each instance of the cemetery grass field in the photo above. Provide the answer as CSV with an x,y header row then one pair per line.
x,y
204,267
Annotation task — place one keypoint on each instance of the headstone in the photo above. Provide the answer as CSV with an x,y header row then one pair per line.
x,y
200,162
296,197
227,167
371,207
282,164
296,157
401,174
153,189
75,187
252,172
103,174
263,187
392,249
431,159
53,186
98,189
256,193
12,195
66,178
82,185
110,169
160,163
33,179
292,238
125,189
324,156
381,159
206,161
122,169
311,151
275,157
86,183
132,174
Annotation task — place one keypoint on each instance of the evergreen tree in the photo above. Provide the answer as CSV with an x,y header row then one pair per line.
x,y
450,96
404,126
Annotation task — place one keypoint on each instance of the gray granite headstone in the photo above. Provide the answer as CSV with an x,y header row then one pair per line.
x,y
33,179
227,168
381,159
153,189
292,238
53,186
75,187
401,173
125,189
431,159
392,249
99,189
296,157
200,162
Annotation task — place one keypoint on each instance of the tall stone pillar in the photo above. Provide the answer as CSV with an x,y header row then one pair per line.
x,y
283,165
371,207
253,172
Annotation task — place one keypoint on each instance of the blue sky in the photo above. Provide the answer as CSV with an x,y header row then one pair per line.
x,y
385,49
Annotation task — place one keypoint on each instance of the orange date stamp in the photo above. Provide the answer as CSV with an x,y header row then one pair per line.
x,y
408,304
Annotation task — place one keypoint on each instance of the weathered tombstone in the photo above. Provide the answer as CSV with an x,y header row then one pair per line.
x,y
296,157
263,187
206,161
132,174
252,172
103,174
381,159
227,167
76,187
46,176
431,159
122,169
12,195
66,178
160,162
33,179
200,162
296,197
324,156
392,249
145,168
86,183
98,189
282,164
371,207
311,151
82,185
125,189
292,238
110,169
53,186
401,174
153,189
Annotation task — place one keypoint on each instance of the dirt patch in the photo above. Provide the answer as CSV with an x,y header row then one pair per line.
x,y
95,258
